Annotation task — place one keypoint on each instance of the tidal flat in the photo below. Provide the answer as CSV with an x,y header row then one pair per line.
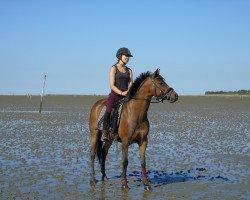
x,y
198,149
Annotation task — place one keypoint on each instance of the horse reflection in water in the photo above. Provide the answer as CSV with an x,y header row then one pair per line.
x,y
133,126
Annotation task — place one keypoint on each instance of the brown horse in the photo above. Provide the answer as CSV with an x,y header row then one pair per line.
x,y
134,124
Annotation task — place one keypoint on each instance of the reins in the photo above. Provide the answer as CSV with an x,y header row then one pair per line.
x,y
156,100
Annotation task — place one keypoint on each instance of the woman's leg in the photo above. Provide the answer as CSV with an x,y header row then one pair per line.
x,y
112,99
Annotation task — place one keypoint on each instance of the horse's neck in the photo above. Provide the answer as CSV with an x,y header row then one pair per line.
x,y
143,94
141,103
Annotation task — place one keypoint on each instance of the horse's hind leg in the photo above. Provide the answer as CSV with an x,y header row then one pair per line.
x,y
94,143
105,149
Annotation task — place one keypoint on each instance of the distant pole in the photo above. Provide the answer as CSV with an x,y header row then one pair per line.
x,y
41,103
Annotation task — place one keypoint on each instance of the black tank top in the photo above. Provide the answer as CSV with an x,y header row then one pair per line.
x,y
122,79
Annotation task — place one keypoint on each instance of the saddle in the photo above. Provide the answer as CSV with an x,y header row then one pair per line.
x,y
114,116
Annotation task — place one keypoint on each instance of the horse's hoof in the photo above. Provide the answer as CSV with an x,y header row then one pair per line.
x,y
105,178
147,188
125,187
93,182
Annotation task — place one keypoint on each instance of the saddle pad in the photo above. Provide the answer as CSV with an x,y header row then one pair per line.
x,y
101,116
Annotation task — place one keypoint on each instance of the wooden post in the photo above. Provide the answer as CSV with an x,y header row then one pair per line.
x,y
41,103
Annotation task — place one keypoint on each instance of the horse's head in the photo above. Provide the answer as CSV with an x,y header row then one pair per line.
x,y
161,90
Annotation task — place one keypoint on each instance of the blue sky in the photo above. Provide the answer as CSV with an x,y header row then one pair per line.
x,y
199,45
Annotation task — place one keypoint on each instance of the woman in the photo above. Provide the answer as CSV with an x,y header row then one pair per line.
x,y
120,80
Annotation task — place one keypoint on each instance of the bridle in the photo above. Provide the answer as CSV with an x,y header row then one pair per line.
x,y
164,95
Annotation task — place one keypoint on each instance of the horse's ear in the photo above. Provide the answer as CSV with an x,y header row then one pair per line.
x,y
157,72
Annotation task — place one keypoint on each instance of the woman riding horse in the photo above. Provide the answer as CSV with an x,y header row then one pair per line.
x,y
120,80
134,124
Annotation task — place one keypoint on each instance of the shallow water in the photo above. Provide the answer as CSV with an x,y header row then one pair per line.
x,y
198,149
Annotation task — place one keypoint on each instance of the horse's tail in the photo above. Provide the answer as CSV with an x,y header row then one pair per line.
x,y
94,130
99,149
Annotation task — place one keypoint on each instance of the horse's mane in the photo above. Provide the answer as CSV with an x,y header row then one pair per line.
x,y
137,83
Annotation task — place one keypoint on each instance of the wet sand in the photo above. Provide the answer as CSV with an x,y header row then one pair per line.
x,y
198,149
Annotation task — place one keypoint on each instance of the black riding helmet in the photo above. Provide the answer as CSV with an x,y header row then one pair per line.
x,y
123,51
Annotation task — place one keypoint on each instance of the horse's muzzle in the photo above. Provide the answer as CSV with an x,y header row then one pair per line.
x,y
173,98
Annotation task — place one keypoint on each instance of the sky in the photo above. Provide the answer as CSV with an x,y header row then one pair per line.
x,y
198,45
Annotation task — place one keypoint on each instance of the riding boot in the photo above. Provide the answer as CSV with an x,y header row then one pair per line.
x,y
105,127
115,120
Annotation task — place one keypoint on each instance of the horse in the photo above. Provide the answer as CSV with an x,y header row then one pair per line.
x,y
133,125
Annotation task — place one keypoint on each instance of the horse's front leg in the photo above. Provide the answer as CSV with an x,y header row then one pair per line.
x,y
103,160
142,150
124,166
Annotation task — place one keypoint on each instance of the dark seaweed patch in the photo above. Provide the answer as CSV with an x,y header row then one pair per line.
x,y
158,178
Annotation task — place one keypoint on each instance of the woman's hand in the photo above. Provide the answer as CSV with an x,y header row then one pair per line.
x,y
124,93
